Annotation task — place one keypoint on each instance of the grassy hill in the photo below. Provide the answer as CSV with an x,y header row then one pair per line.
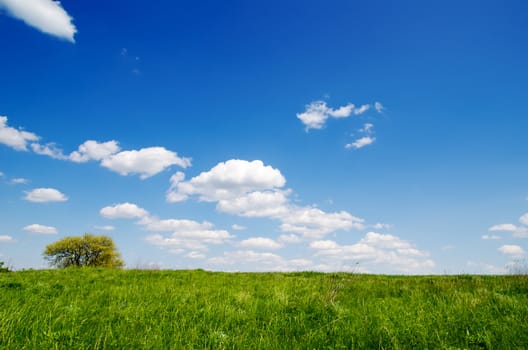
x,y
128,309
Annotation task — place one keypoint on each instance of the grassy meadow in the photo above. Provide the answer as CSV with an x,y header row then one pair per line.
x,y
132,309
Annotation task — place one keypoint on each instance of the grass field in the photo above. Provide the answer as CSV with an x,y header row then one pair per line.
x,y
129,309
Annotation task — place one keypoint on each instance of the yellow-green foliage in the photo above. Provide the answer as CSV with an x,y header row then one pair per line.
x,y
86,251
128,309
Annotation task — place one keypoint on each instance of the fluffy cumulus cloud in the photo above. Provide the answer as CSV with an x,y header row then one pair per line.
x,y
93,150
226,180
48,16
123,211
260,243
252,189
43,195
512,250
256,204
15,138
41,229
314,223
146,162
317,113
373,252
184,235
6,239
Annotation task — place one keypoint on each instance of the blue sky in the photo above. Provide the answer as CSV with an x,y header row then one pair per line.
x,y
380,136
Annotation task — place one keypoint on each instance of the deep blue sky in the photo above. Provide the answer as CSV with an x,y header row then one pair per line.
x,y
226,80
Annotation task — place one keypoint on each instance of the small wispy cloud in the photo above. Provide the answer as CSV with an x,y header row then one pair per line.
x,y
6,239
503,227
105,228
19,181
361,142
490,237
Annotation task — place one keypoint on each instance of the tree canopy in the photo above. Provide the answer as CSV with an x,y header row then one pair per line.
x,y
86,251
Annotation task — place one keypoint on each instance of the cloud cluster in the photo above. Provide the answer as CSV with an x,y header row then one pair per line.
x,y
519,231
317,113
48,16
375,250
145,162
184,234
365,140
252,189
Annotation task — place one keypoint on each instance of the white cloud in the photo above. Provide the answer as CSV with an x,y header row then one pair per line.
x,y
361,109
521,232
123,211
15,138
260,243
146,162
379,107
513,250
19,181
251,189
490,237
6,239
226,180
2,174
524,219
262,260
195,255
42,195
503,227
376,251
290,238
237,227
36,228
313,222
49,149
317,112
381,226
48,16
186,234
105,228
256,204
93,150
361,142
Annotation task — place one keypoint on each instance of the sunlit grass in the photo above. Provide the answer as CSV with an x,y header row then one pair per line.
x,y
127,309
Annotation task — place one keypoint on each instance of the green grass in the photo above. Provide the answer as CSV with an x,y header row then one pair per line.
x,y
127,309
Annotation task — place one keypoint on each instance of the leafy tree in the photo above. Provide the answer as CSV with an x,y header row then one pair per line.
x,y
86,251
2,268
